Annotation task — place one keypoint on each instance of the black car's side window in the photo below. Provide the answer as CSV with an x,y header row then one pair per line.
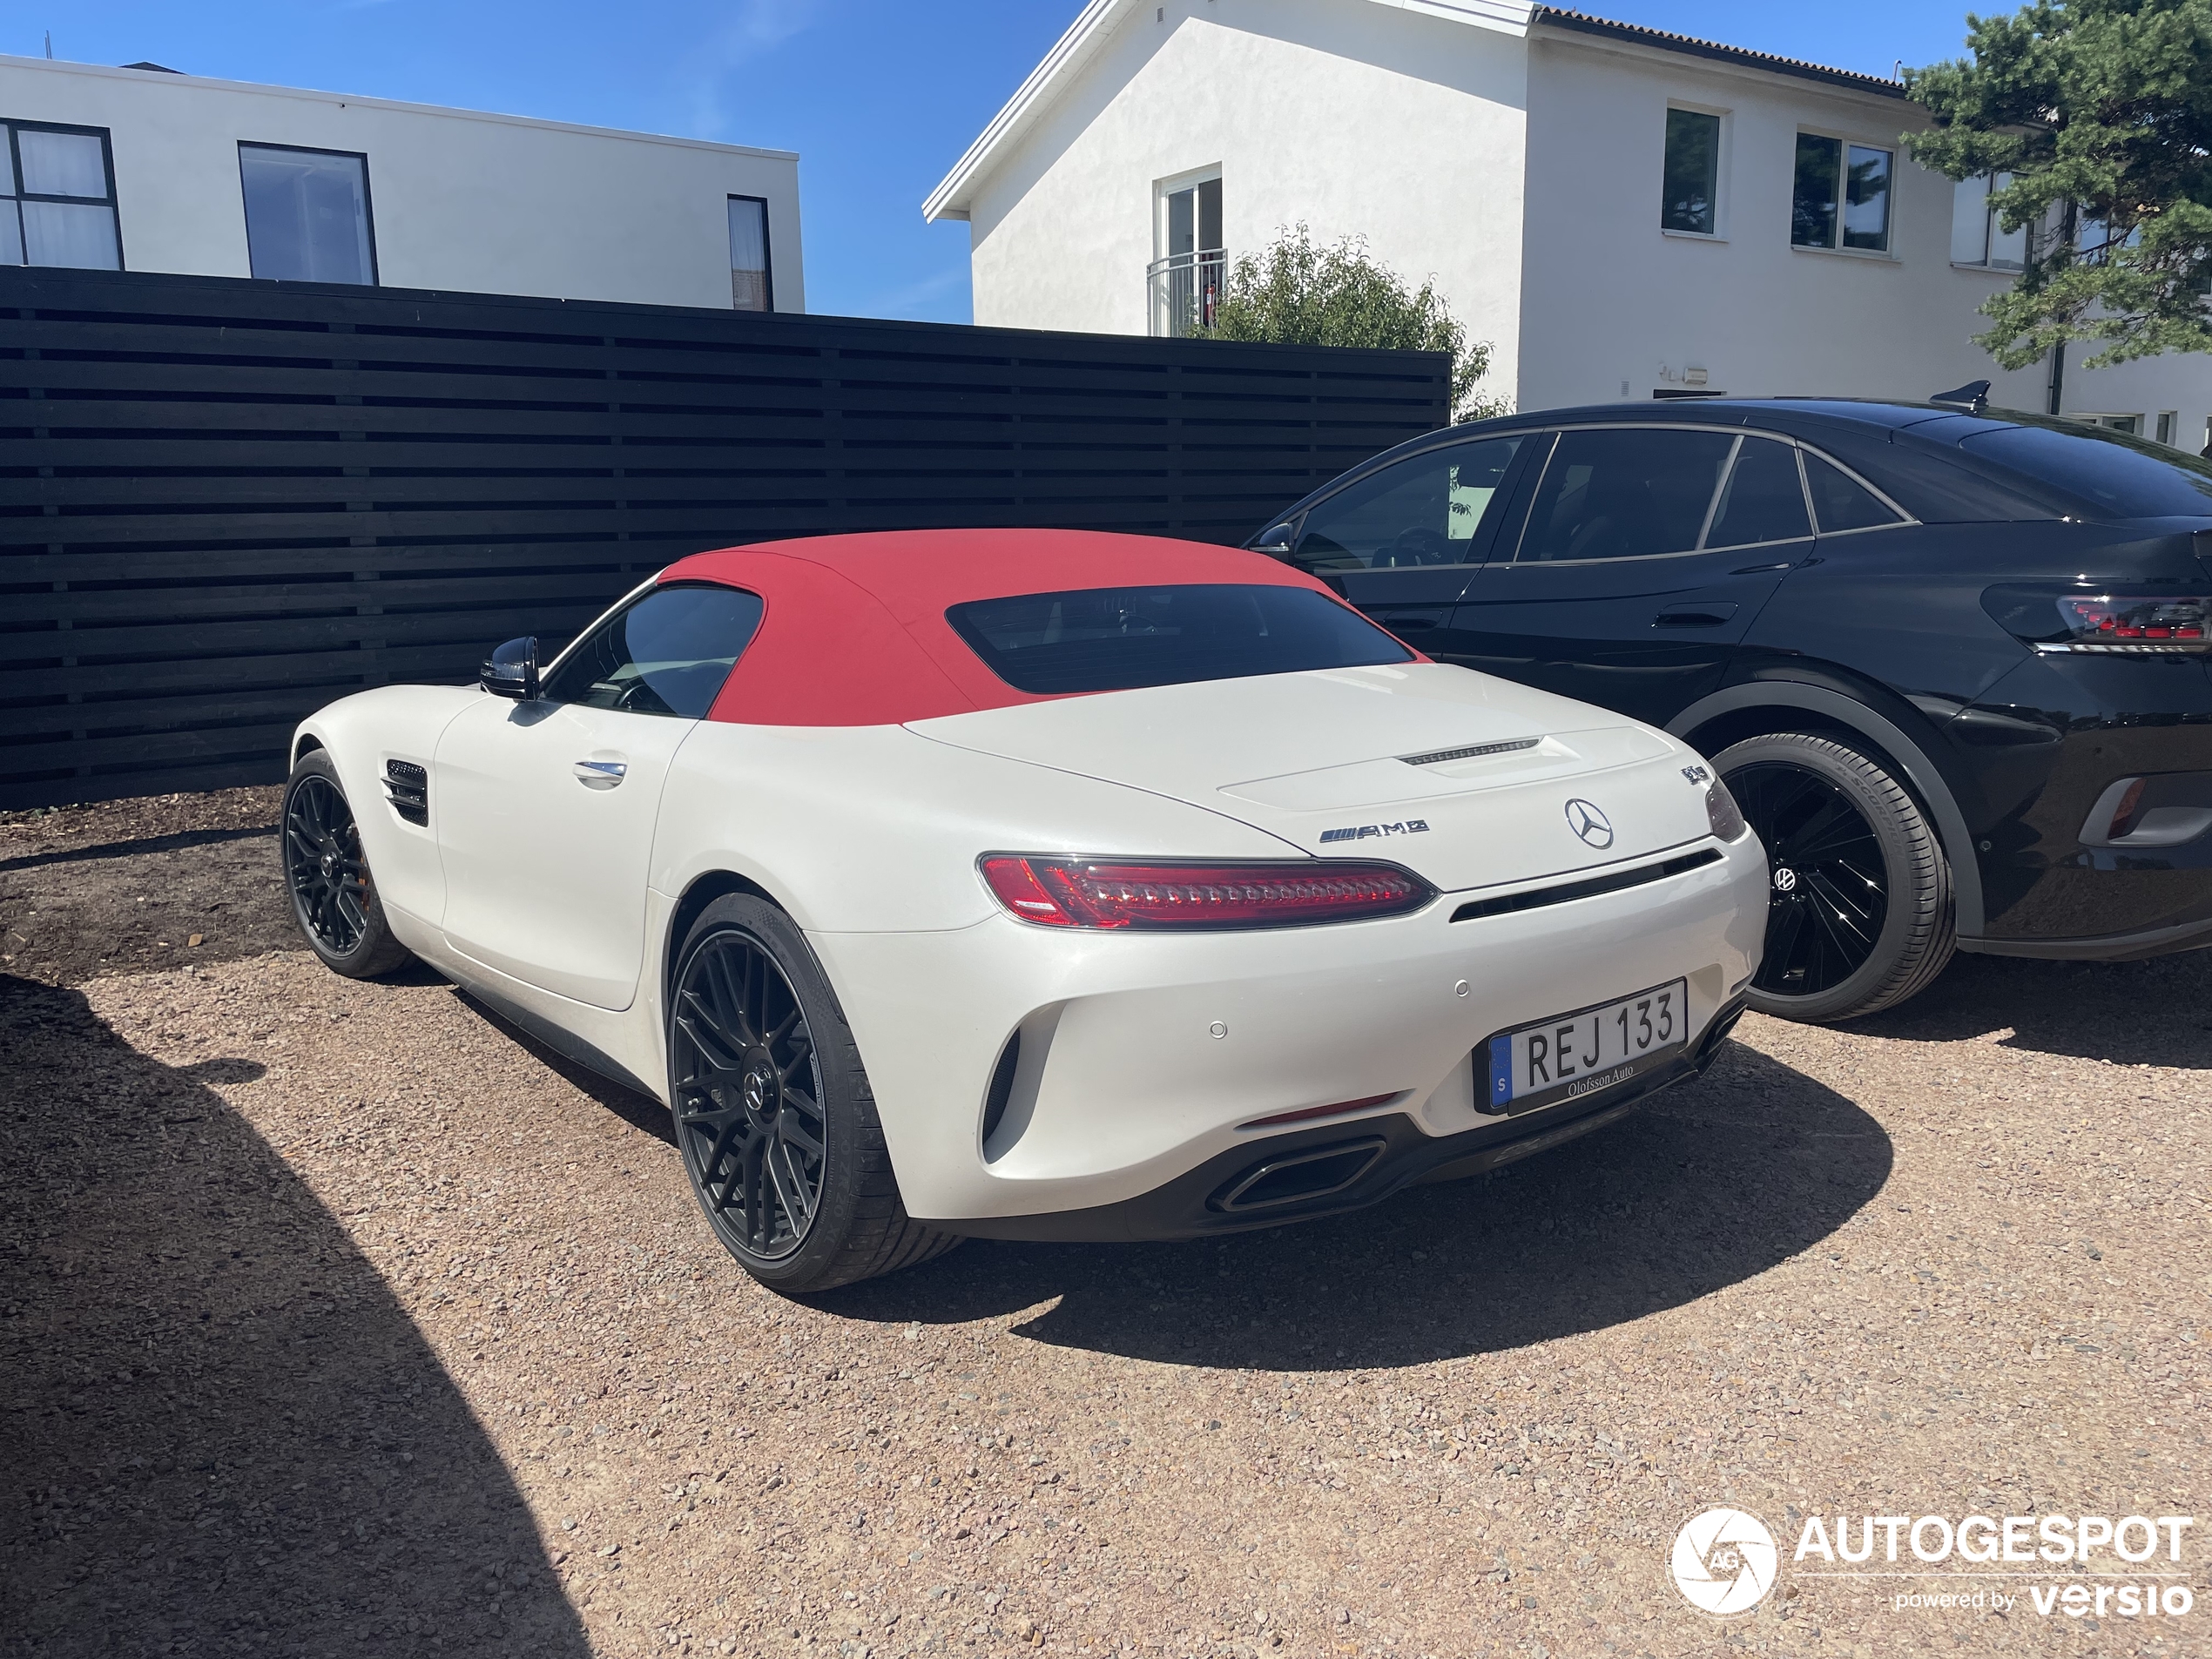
x,y
1841,502
668,653
1763,500
1429,508
1625,493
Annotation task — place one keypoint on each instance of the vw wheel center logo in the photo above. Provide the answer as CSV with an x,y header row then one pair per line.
x,y
1725,1561
1594,827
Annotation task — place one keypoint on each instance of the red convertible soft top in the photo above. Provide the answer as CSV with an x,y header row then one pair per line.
x,y
853,631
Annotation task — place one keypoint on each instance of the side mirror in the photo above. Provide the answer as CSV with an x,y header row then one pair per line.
x,y
512,671
1275,542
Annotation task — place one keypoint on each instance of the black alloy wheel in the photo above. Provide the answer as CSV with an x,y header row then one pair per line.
x,y
1859,914
774,1116
334,895
748,1086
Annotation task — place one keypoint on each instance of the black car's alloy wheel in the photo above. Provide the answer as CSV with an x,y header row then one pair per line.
x,y
773,1114
1858,913
748,1088
334,895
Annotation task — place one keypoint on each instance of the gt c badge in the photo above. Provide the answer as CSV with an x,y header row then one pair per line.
x,y
1361,832
1593,825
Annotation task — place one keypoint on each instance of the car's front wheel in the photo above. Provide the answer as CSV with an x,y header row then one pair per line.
x,y
774,1116
334,895
1859,914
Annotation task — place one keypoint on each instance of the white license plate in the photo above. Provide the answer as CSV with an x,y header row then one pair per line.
x,y
1574,1055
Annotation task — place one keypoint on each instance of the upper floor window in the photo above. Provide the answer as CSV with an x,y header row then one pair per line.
x,y
306,214
1977,237
59,189
750,289
1690,197
1185,281
1842,195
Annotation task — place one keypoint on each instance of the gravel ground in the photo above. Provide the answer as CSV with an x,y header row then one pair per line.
x,y
339,1318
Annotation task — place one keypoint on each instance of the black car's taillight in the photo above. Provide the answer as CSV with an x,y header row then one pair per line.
x,y
2114,621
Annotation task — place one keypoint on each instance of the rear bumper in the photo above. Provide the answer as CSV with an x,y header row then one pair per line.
x,y
1381,1156
1143,1058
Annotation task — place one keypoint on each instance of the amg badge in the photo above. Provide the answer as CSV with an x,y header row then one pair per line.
x,y
1361,832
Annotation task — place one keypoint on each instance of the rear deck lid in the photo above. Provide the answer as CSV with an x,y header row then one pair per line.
x,y
1462,778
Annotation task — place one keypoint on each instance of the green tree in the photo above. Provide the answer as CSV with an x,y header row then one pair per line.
x,y
1302,292
2101,111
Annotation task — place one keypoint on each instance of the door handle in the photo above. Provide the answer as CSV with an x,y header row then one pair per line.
x,y
601,774
1711,614
1399,624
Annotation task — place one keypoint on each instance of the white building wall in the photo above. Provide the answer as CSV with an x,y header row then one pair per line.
x,y
462,201
1611,298
1360,120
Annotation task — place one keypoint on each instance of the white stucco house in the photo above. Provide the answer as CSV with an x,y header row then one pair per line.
x,y
1620,212
139,168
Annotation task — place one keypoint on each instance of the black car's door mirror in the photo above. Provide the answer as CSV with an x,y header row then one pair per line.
x,y
1275,542
512,671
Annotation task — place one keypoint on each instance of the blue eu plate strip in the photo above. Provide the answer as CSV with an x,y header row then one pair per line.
x,y
1500,1070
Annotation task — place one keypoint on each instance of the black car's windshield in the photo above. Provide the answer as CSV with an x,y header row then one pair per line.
x,y
1114,639
2119,477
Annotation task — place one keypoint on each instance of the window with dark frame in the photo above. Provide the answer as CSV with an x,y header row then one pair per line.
x,y
1689,197
57,207
1840,196
751,288
308,217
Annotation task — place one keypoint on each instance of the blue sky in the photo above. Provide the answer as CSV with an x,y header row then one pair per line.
x,y
879,97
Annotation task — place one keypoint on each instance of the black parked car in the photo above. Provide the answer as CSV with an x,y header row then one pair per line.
x,y
1954,662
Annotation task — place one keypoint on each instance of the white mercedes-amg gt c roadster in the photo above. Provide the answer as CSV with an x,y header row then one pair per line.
x,y
1037,885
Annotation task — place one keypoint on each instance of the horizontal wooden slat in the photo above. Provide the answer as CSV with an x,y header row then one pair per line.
x,y
223,504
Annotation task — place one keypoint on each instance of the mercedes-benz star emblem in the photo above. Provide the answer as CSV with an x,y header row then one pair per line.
x,y
1593,825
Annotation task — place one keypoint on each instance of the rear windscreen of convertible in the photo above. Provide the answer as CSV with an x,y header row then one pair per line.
x,y
1115,639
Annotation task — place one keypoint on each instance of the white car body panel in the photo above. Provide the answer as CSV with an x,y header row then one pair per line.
x,y
546,865
869,837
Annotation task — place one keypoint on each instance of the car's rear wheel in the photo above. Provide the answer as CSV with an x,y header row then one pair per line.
x,y
773,1112
333,896
1859,914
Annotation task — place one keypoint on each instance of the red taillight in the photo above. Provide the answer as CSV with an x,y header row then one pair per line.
x,y
2117,622
1158,893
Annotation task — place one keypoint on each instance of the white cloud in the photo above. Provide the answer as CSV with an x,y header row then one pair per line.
x,y
755,27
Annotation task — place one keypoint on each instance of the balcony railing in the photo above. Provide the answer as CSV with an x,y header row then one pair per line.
x,y
1183,291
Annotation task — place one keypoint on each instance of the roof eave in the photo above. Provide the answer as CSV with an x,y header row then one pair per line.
x,y
1549,18
1068,53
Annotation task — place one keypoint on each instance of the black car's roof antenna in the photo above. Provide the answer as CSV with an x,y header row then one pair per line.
x,y
1973,397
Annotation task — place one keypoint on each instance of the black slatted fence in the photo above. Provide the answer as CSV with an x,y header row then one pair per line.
x,y
224,503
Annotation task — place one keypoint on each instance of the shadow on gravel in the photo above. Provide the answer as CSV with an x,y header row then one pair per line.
x,y
1714,1182
2156,1013
220,1435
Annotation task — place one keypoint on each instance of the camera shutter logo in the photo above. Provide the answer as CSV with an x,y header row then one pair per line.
x,y
1725,1561
1586,821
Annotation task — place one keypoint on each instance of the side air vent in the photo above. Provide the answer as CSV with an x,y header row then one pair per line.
x,y
1471,753
408,787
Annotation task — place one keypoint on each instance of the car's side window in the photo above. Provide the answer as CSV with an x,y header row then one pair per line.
x,y
1763,500
1624,493
668,653
1841,502
1429,508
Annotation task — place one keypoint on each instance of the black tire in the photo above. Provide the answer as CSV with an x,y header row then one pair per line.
x,y
334,895
1860,913
774,1117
